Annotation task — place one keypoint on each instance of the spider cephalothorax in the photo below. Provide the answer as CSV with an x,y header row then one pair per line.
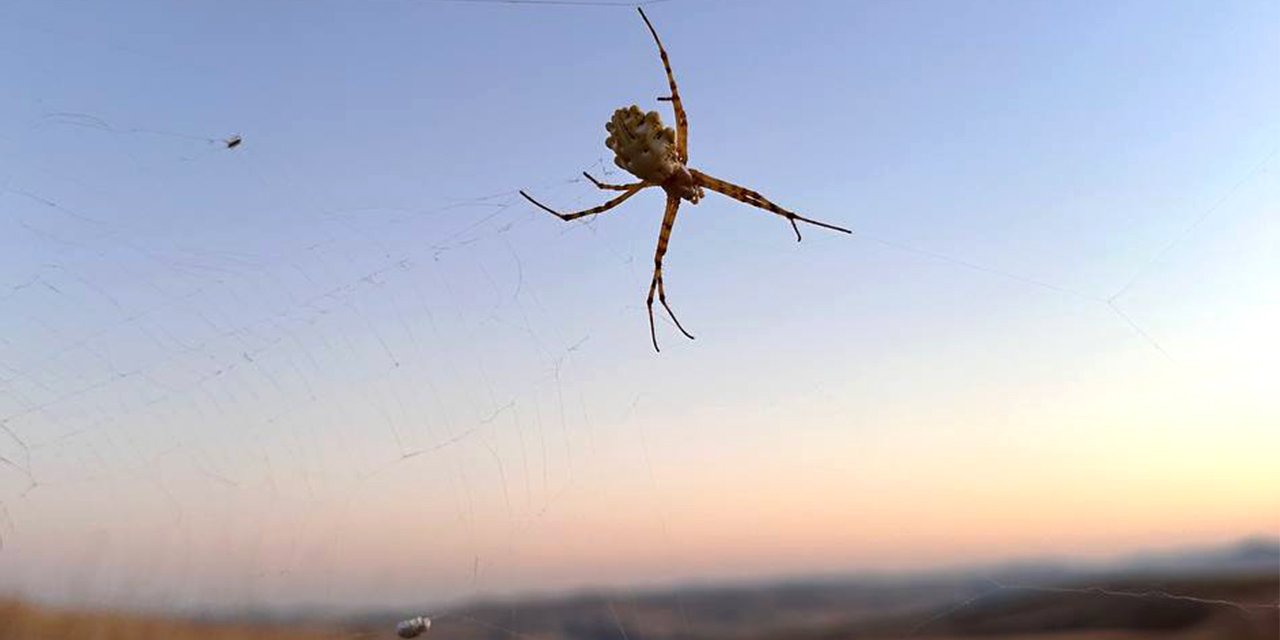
x,y
659,156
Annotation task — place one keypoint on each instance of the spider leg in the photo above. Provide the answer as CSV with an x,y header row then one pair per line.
x,y
668,220
754,199
682,121
631,191
610,187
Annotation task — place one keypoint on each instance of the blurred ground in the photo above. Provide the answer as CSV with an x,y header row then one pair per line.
x,y
950,609
20,621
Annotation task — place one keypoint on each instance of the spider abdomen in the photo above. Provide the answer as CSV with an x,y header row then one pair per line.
x,y
642,145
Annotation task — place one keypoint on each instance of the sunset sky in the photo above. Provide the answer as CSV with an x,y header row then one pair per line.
x,y
346,364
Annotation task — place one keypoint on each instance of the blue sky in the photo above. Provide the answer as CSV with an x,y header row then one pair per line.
x,y
346,355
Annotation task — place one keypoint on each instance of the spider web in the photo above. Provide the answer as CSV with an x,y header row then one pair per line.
x,y
225,385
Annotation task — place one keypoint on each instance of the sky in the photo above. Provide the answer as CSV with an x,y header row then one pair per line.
x,y
345,364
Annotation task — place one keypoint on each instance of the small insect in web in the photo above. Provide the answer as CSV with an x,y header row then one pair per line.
x,y
659,156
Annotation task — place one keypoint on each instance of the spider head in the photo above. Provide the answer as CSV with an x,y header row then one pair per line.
x,y
642,145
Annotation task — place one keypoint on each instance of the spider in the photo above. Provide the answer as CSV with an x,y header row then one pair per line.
x,y
659,156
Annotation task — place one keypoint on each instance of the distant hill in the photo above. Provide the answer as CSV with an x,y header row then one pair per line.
x,y
1252,555
1226,592
1180,593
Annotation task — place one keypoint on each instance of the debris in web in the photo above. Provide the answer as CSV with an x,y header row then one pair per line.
x,y
413,627
90,121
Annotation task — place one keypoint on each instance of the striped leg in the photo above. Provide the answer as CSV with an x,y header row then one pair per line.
x,y
631,191
682,121
610,187
754,199
668,220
